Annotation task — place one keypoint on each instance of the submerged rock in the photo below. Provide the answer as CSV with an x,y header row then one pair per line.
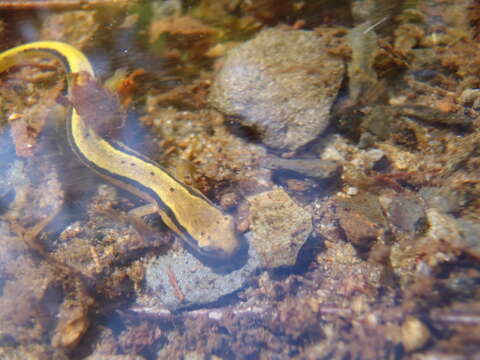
x,y
459,233
314,168
408,214
415,334
281,83
279,228
179,279
361,219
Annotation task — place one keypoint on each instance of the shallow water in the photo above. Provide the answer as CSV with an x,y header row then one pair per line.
x,y
342,138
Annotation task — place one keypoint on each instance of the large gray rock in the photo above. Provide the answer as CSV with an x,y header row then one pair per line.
x,y
282,83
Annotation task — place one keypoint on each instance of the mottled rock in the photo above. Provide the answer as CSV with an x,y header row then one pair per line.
x,y
443,227
433,116
459,233
361,219
73,323
314,168
179,279
358,230
378,121
61,26
407,214
282,83
446,200
279,227
469,231
166,8
470,97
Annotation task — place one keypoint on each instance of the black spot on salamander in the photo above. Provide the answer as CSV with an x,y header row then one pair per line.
x,y
172,189
132,164
152,173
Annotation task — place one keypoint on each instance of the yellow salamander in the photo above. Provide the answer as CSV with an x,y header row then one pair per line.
x,y
185,210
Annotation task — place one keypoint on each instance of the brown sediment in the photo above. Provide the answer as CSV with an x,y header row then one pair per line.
x,y
57,4
391,267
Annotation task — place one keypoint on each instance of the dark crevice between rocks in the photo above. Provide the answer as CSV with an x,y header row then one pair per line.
x,y
307,254
248,133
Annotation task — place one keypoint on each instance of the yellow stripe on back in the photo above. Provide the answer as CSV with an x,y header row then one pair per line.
x,y
184,209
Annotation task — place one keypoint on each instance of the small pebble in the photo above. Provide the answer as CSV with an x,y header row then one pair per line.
x,y
415,334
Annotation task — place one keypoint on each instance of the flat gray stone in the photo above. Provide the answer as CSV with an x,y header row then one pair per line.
x,y
197,284
314,168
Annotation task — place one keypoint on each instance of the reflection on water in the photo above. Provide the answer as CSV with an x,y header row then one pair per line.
x,y
341,136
